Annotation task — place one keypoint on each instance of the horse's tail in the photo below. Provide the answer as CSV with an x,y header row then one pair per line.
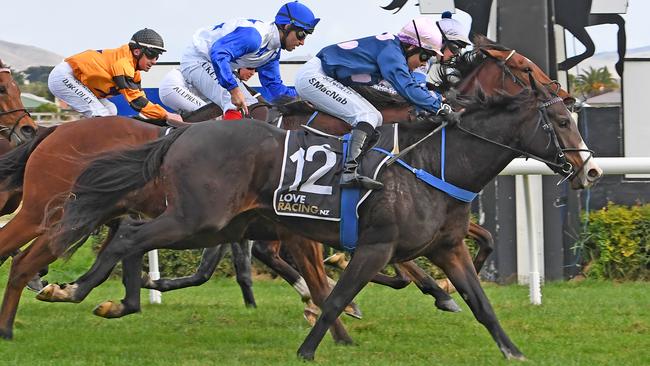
x,y
101,185
12,164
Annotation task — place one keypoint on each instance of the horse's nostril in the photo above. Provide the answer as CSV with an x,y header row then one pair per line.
x,y
593,173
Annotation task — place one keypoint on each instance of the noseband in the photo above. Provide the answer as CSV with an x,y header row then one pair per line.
x,y
12,130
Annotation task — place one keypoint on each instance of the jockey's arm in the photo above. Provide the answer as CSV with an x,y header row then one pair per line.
x,y
230,47
394,69
127,81
271,80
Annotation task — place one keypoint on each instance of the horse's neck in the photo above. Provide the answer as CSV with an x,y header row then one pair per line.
x,y
470,163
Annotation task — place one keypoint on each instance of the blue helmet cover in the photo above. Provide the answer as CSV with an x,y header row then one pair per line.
x,y
298,15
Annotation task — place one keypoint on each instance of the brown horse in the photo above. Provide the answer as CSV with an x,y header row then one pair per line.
x,y
533,121
52,163
16,125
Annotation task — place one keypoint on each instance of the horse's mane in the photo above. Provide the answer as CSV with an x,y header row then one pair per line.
x,y
479,103
451,75
378,98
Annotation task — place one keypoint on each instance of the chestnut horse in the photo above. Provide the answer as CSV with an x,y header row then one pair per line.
x,y
16,125
532,122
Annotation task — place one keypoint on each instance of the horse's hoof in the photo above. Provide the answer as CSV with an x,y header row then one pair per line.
x,y
58,293
346,342
353,311
7,334
46,293
448,305
337,260
513,354
109,310
311,315
35,284
306,355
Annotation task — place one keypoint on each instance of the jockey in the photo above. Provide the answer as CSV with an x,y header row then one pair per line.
x,y
85,80
176,93
454,35
207,64
324,81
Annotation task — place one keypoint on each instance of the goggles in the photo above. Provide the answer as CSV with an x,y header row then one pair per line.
x,y
301,33
151,53
426,55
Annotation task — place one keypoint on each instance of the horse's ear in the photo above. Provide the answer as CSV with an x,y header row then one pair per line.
x,y
495,54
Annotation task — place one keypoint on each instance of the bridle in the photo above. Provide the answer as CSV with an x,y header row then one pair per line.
x,y
561,165
12,130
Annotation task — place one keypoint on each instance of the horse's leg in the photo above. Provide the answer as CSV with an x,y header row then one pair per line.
x,y
367,261
429,286
457,264
20,230
241,258
131,237
397,282
485,244
131,269
308,257
24,267
268,252
584,38
62,292
210,258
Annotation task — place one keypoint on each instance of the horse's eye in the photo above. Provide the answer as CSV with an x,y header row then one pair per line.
x,y
564,123
3,89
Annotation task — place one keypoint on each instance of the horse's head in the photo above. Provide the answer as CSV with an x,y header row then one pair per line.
x,y
501,70
15,122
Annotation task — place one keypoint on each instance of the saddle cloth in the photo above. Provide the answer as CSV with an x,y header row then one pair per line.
x,y
311,171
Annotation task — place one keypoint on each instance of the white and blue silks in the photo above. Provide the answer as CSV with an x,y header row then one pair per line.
x,y
366,61
209,62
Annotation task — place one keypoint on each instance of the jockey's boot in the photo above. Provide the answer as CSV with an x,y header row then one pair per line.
x,y
350,176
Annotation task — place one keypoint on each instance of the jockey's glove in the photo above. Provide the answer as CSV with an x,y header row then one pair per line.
x,y
449,115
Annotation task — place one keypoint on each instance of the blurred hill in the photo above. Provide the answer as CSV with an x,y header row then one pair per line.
x,y
20,56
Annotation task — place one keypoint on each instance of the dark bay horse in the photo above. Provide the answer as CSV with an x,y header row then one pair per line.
x,y
295,114
227,194
46,169
16,125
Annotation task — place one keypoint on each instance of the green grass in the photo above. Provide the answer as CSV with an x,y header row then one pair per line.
x,y
588,323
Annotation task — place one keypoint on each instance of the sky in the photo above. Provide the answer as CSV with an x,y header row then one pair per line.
x,y
67,27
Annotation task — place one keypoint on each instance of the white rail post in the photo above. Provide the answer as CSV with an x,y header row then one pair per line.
x,y
155,297
532,195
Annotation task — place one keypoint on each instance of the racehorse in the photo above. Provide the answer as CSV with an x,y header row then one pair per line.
x,y
59,156
227,194
16,125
